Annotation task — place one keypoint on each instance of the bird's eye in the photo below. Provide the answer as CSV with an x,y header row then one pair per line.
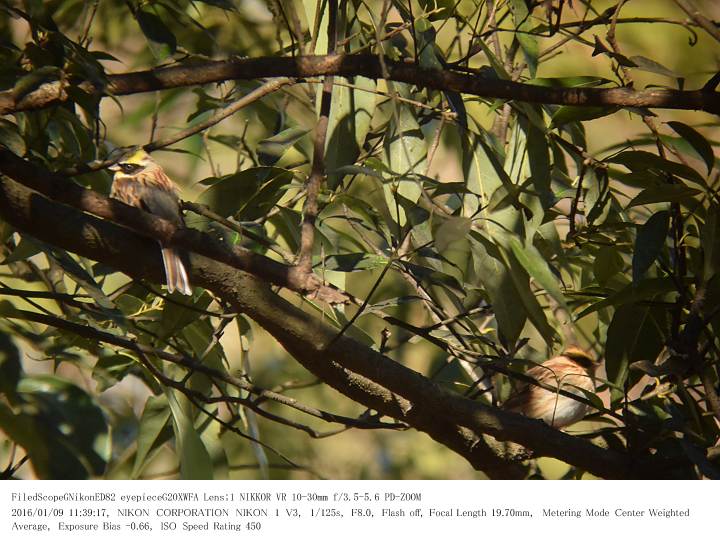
x,y
128,168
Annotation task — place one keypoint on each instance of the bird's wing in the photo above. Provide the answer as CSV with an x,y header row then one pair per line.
x,y
161,203
523,392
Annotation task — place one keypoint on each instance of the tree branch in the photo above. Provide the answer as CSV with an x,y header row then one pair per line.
x,y
696,15
317,170
63,190
352,368
369,66
253,96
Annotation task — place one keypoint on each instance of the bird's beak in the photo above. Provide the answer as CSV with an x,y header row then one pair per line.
x,y
114,168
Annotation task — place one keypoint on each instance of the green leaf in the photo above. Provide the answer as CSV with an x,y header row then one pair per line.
x,y
663,193
227,5
406,154
710,236
176,314
607,263
538,268
535,312
110,369
272,149
451,230
631,293
351,111
11,138
200,336
9,366
444,8
155,29
486,176
538,154
649,242
638,161
429,56
352,262
85,279
153,421
648,65
528,41
30,82
206,102
356,170
195,462
229,140
570,114
430,277
697,141
245,195
27,248
636,332
494,277
570,81
70,426
496,64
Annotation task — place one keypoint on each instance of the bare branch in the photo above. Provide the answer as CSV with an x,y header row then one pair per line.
x,y
63,190
253,96
317,170
352,368
369,66
696,15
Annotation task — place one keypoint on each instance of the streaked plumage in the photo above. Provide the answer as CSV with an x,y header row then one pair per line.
x,y
571,371
141,182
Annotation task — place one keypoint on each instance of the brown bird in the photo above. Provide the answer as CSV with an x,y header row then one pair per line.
x,y
571,371
141,182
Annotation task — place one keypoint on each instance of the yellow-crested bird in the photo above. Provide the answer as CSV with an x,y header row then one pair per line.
x,y
141,182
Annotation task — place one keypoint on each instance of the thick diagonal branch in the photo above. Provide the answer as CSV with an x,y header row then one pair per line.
x,y
63,190
352,368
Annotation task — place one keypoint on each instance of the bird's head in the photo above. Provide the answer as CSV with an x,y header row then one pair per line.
x,y
132,164
580,356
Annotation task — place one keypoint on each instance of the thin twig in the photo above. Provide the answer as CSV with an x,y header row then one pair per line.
x,y
253,96
203,210
317,170
696,15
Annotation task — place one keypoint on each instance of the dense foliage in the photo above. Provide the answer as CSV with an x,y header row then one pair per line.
x,y
466,233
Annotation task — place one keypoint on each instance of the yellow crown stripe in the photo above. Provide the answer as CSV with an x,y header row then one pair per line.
x,y
137,157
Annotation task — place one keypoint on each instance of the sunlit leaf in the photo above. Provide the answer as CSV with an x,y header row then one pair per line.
x,y
406,154
538,268
353,262
451,230
245,195
153,425
195,462
649,65
270,150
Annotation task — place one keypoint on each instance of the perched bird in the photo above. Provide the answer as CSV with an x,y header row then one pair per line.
x,y
571,371
139,181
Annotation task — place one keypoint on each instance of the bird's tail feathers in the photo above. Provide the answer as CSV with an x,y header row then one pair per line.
x,y
177,278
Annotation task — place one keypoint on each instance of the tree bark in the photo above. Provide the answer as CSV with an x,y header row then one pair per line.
x,y
352,368
369,66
